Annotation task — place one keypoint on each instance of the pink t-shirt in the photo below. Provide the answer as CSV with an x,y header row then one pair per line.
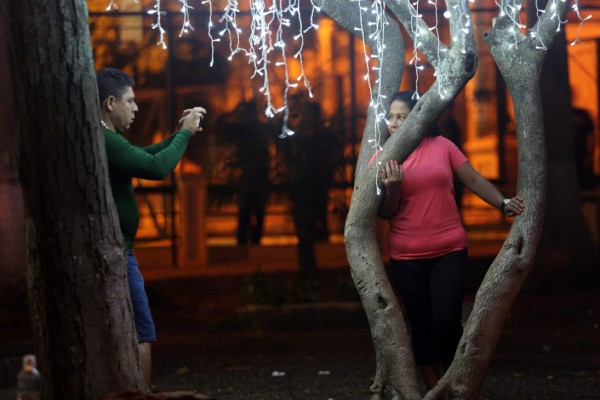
x,y
427,223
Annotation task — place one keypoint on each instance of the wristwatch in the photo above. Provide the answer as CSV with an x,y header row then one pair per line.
x,y
503,204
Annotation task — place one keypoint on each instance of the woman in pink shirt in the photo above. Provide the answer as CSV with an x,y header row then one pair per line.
x,y
427,243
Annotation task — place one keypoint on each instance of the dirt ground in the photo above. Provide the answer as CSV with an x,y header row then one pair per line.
x,y
550,347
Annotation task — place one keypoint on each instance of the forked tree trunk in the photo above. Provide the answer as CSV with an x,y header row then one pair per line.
x,y
76,275
395,365
521,66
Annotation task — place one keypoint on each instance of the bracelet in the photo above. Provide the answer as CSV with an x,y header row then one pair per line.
x,y
503,205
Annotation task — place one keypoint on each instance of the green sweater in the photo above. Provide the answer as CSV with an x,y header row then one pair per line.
x,y
126,161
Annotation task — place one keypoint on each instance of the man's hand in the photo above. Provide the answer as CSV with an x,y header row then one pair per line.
x,y
191,119
392,175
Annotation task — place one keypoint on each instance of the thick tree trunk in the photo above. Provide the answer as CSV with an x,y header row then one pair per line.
x,y
395,365
76,276
520,66
520,63
567,247
12,228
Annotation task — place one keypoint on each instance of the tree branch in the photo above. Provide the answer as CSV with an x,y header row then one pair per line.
x,y
554,15
418,30
520,65
395,365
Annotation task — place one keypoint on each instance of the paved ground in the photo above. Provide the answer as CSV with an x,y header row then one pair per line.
x,y
550,348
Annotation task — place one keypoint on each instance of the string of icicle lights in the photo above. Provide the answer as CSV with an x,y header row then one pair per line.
x,y
266,46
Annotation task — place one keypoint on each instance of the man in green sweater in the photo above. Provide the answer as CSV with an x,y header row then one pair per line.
x,y
125,161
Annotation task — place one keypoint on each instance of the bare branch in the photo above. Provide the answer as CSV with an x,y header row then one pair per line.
x,y
520,64
552,18
418,30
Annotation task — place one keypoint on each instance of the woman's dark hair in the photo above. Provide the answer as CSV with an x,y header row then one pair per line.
x,y
408,97
113,82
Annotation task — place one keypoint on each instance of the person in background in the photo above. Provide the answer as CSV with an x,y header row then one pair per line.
x,y
583,132
125,161
427,243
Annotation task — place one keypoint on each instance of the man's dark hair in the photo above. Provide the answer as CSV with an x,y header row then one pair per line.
x,y
113,82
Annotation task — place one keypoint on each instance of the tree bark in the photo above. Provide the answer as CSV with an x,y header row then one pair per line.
x,y
520,65
76,275
12,229
395,364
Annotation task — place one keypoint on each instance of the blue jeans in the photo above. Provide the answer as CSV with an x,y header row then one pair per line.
x,y
144,324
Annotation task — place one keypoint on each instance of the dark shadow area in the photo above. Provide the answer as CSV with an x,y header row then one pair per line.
x,y
266,336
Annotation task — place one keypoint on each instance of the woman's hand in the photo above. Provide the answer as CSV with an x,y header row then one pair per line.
x,y
392,175
514,206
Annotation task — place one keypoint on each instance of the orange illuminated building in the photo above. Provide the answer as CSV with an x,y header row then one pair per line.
x,y
170,79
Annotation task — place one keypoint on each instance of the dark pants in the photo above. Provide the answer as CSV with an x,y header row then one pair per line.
x,y
432,291
251,217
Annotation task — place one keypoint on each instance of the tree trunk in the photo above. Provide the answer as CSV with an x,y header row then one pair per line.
x,y
520,64
12,229
395,365
76,275
567,247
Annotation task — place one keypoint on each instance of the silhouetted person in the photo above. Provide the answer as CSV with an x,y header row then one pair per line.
x,y
583,131
250,138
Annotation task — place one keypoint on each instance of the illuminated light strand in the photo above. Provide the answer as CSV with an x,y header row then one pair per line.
x,y
367,77
380,23
441,90
552,7
285,130
377,28
113,4
209,31
277,14
157,25
260,24
229,18
575,7
535,34
261,45
300,36
515,17
186,26
415,17
380,112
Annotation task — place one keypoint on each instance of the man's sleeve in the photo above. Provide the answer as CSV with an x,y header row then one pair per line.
x,y
129,160
156,147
